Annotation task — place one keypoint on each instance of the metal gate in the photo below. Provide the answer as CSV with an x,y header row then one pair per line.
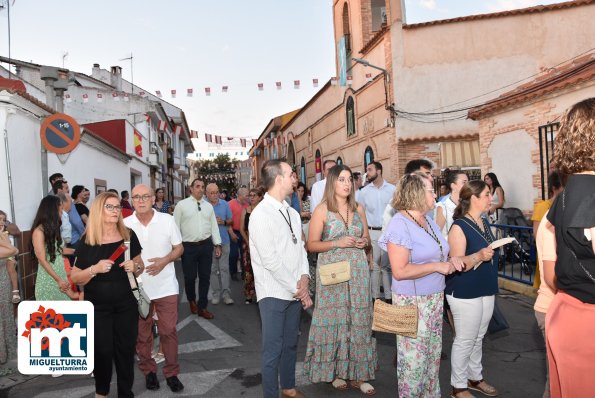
x,y
546,153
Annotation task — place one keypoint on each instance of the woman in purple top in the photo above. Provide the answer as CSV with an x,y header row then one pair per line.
x,y
419,261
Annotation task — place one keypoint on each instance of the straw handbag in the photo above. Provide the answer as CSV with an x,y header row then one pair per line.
x,y
331,274
398,319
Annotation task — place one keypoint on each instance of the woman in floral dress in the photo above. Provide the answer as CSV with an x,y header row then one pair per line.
x,y
341,348
52,282
8,337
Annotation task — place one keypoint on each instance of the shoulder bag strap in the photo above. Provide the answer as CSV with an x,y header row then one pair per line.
x,y
566,242
411,258
131,278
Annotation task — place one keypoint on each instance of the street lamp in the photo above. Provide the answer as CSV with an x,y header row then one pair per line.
x,y
386,78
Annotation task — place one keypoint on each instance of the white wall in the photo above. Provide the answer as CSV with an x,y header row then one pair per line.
x,y
514,167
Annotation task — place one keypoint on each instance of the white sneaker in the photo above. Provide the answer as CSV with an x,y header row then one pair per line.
x,y
227,300
215,300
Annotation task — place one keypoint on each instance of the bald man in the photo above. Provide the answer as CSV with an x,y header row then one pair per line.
x,y
220,279
162,245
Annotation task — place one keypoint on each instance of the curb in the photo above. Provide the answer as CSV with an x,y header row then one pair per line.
x,y
517,287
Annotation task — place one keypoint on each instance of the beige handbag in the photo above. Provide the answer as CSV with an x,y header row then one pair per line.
x,y
398,319
333,273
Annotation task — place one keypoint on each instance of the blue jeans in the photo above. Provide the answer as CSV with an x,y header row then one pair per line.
x,y
235,253
197,260
280,327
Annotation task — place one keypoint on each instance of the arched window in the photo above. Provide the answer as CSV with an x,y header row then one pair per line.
x,y
318,165
368,156
339,161
350,116
303,170
291,154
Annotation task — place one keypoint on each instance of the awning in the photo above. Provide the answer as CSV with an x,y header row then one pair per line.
x,y
459,154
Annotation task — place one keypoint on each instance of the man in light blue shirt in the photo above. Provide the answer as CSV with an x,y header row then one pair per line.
x,y
220,278
375,197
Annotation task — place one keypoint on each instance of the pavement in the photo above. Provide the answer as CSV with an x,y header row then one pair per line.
x,y
221,358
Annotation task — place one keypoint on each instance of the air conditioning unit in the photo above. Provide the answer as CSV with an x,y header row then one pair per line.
x,y
152,147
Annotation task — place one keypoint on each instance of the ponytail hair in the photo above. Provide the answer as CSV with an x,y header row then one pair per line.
x,y
472,188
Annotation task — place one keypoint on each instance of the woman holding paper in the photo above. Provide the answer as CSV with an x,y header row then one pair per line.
x,y
471,293
101,268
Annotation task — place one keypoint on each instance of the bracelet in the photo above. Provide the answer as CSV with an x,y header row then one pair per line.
x,y
93,274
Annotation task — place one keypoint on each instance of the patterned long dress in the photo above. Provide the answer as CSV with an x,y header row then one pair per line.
x,y
249,289
8,336
340,344
46,287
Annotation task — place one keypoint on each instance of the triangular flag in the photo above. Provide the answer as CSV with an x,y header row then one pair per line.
x,y
315,82
207,91
254,140
85,97
243,142
142,93
260,86
173,93
369,77
349,80
278,84
208,137
99,97
158,93
296,84
115,97
126,97
189,92
333,81
224,89
67,97
162,125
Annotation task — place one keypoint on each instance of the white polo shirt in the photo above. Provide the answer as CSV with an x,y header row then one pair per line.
x,y
157,239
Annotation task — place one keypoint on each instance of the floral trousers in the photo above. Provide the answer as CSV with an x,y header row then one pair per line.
x,y
418,360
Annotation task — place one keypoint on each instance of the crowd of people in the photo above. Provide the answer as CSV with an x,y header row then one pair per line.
x,y
400,243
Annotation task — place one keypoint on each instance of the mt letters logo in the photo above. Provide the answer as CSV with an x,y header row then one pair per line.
x,y
56,337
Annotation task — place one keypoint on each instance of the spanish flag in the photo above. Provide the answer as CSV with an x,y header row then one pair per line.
x,y
138,143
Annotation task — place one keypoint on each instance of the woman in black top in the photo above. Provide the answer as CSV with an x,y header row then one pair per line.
x,y
570,321
107,287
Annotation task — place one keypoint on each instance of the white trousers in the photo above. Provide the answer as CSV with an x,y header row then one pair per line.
x,y
379,274
471,319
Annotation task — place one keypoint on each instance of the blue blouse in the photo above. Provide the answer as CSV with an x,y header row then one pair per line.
x,y
483,281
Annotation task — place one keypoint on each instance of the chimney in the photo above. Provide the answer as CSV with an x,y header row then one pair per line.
x,y
96,72
116,77
60,87
49,75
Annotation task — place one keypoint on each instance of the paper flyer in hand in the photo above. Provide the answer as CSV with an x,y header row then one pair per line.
x,y
496,244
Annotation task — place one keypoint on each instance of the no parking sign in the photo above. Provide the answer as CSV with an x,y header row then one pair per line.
x,y
60,133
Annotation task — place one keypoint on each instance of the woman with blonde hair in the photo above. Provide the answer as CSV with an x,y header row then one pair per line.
x,y
101,268
340,343
419,259
570,319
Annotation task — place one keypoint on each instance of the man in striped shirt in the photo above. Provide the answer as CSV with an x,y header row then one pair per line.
x,y
280,266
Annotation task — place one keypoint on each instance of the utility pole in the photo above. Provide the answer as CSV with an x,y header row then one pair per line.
x,y
64,55
131,58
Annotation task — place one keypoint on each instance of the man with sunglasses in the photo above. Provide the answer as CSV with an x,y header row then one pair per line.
x,y
197,222
162,245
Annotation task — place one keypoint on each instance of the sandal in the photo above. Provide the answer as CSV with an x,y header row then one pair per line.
x,y
16,297
461,393
339,384
482,387
365,388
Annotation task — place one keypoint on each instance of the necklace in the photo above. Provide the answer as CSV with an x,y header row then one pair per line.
x,y
430,232
288,221
484,232
346,222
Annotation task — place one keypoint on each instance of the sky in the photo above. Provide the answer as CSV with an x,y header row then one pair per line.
x,y
181,44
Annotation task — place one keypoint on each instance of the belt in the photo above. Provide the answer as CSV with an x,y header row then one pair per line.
x,y
198,243
375,228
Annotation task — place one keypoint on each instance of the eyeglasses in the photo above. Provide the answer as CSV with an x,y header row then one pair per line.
x,y
198,206
109,207
432,191
144,198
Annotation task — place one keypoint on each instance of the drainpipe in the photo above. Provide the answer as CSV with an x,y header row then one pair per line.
x,y
9,112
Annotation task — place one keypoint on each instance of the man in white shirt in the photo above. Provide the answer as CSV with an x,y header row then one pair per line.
x,y
317,191
374,197
160,238
280,266
195,217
